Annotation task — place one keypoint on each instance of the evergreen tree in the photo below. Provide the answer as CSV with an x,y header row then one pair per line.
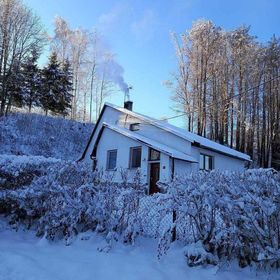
x,y
13,88
51,88
32,82
65,96
57,86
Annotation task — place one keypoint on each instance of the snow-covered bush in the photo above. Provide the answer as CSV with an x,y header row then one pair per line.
x,y
219,216
69,198
196,254
234,215
18,171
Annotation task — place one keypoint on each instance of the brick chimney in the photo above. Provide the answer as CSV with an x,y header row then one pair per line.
x,y
128,105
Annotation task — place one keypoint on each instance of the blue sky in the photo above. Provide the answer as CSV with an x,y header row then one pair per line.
x,y
138,32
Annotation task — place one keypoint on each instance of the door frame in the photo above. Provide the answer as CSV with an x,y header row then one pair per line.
x,y
149,172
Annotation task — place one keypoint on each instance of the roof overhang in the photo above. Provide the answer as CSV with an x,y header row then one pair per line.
x,y
194,139
151,143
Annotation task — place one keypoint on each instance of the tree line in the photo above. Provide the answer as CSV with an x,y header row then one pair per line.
x,y
228,86
80,74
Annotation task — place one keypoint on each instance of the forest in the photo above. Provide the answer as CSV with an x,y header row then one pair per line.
x,y
228,88
80,73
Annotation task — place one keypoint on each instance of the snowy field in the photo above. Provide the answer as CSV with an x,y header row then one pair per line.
x,y
24,257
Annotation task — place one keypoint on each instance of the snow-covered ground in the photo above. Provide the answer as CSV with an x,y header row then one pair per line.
x,y
24,257
37,135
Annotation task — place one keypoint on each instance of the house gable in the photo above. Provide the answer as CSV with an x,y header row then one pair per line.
x,y
123,144
186,135
146,141
156,130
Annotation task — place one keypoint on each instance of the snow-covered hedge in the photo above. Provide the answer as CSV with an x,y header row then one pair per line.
x,y
19,171
234,215
219,216
68,198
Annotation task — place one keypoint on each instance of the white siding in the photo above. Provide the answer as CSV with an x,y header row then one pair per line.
x,y
182,168
111,140
110,115
221,162
157,134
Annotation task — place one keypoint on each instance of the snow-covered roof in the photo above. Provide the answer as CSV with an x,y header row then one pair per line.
x,y
151,143
182,133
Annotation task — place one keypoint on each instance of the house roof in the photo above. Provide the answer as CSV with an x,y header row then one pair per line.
x,y
182,133
151,143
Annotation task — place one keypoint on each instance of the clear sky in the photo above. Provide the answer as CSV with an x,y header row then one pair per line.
x,y
139,33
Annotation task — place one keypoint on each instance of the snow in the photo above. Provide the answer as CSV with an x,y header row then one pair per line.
x,y
15,164
23,256
37,135
151,143
189,136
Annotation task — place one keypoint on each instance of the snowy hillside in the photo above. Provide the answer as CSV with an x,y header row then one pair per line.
x,y
37,135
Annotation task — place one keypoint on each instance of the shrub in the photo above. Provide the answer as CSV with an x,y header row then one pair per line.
x,y
219,216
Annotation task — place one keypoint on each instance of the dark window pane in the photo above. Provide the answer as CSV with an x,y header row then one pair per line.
x,y
134,126
112,159
154,155
205,162
201,162
206,166
135,157
210,163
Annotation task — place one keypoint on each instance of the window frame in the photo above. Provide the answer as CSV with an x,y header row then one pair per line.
x,y
150,152
108,159
211,165
131,157
134,126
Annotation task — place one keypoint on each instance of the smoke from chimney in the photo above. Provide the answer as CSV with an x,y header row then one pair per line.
x,y
107,67
113,72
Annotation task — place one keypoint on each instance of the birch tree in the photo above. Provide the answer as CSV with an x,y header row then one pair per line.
x,y
228,86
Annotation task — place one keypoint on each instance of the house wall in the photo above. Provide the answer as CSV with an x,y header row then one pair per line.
x,y
182,168
110,116
221,162
157,134
111,140
123,144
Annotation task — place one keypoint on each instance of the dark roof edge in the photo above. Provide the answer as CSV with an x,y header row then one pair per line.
x,y
91,136
195,144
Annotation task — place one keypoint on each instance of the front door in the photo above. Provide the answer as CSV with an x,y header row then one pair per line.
x,y
154,177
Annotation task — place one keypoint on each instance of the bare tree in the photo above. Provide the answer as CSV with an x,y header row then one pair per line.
x,y
228,86
95,71
20,33
61,40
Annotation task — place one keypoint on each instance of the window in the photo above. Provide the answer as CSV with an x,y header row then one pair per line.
x,y
206,162
154,155
135,157
111,159
134,126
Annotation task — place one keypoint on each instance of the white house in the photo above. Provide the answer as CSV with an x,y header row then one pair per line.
x,y
125,140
